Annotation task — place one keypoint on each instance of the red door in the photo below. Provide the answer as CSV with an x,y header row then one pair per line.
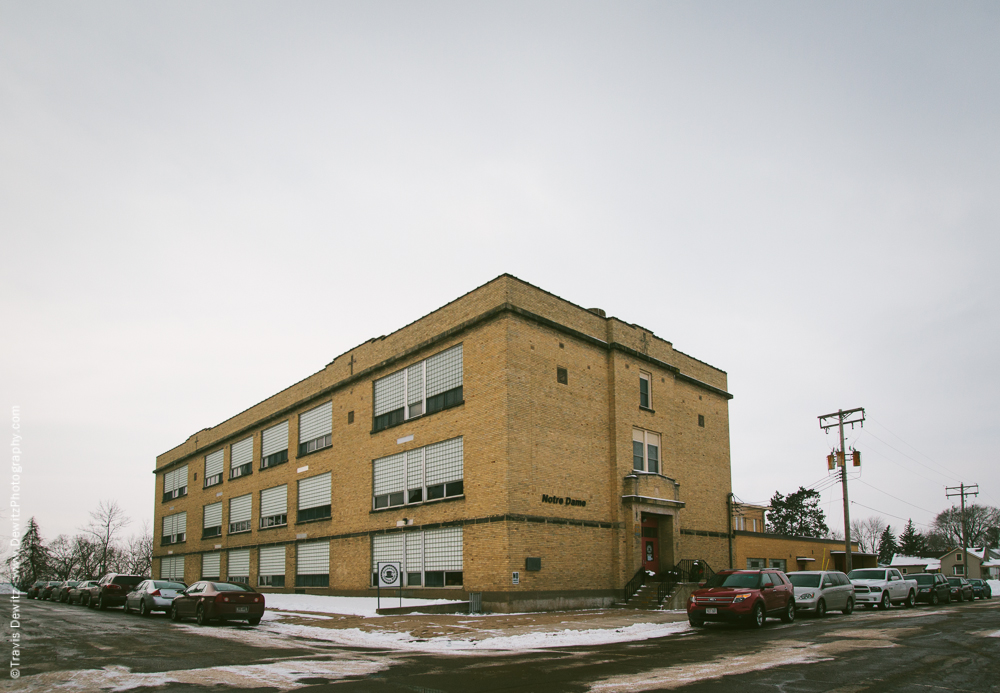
x,y
650,546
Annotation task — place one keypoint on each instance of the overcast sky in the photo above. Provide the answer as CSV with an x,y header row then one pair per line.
x,y
202,203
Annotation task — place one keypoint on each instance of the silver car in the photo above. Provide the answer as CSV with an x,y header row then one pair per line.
x,y
820,591
152,595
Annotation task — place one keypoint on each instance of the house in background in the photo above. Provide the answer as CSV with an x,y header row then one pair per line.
x,y
910,565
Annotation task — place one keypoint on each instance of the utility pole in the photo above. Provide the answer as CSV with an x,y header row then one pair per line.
x,y
826,422
963,491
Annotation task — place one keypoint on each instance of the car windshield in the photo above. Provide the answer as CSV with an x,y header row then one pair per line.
x,y
976,582
226,587
747,580
867,575
160,585
804,580
955,581
924,579
130,580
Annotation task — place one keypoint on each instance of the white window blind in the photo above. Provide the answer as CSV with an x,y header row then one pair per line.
x,y
443,462
175,479
241,453
415,387
414,552
213,463
387,548
172,568
239,563
314,492
272,560
316,422
213,515
175,524
443,549
274,439
274,501
430,550
240,508
210,563
389,474
313,559
444,371
390,392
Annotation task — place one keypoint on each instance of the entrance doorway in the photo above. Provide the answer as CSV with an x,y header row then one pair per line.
x,y
651,545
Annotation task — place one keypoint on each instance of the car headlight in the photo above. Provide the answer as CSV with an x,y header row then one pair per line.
x,y
740,597
807,595
876,588
694,600
925,589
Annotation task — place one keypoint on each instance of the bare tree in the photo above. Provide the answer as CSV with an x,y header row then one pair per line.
x,y
867,533
87,564
978,521
106,523
137,553
63,558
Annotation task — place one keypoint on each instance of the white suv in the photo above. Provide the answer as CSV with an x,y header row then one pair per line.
x,y
822,590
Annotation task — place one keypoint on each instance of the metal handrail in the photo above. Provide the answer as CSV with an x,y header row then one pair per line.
x,y
633,585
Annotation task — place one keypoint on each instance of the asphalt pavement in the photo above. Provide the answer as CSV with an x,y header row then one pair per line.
x,y
953,648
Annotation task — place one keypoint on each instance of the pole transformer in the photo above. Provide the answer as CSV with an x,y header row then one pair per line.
x,y
963,491
838,419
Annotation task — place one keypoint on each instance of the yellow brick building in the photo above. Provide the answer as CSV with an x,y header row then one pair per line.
x,y
510,443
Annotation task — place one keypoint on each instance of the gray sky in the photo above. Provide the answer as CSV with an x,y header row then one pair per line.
x,y
202,203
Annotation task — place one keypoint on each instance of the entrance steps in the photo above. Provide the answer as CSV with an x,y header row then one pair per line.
x,y
645,598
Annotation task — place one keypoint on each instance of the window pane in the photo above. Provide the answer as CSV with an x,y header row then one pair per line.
x,y
637,455
653,455
434,578
413,579
435,492
416,495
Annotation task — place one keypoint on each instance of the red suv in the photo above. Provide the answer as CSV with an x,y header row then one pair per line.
x,y
743,595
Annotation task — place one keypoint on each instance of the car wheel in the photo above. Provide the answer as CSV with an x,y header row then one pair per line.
x,y
934,598
885,603
911,600
697,620
174,614
127,609
757,617
961,597
789,614
254,621
201,616
143,611
100,602
849,609
820,609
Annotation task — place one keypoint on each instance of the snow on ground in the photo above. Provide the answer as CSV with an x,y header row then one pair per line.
x,y
354,637
352,606
994,586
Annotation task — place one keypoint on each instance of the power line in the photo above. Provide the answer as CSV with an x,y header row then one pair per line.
x,y
944,473
908,519
899,499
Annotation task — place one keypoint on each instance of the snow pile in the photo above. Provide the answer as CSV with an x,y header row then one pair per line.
x,y
354,637
994,586
350,606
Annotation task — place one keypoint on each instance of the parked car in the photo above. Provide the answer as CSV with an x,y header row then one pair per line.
x,y
820,590
961,589
882,587
81,593
226,601
36,586
743,595
61,592
111,590
45,592
981,588
932,588
153,595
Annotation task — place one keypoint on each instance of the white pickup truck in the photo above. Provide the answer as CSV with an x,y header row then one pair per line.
x,y
881,587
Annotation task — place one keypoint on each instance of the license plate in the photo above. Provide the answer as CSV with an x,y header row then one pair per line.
x,y
242,609
711,610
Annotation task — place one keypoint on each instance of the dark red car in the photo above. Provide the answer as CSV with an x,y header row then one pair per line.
x,y
226,601
743,595
111,590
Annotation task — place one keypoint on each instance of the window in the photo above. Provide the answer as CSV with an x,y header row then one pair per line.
x,y
315,429
238,566
755,564
271,566
959,570
174,529
171,568
274,446
213,468
240,510
241,458
314,498
415,476
430,558
777,563
426,387
212,520
175,483
274,507
645,390
645,451
701,420
210,563
313,565
562,376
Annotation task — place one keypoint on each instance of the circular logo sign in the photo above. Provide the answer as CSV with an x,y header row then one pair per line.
x,y
388,575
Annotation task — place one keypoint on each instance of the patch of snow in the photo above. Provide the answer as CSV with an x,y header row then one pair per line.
x,y
994,587
350,606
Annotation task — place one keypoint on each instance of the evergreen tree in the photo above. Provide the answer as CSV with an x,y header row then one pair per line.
x,y
887,546
912,542
31,558
797,514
